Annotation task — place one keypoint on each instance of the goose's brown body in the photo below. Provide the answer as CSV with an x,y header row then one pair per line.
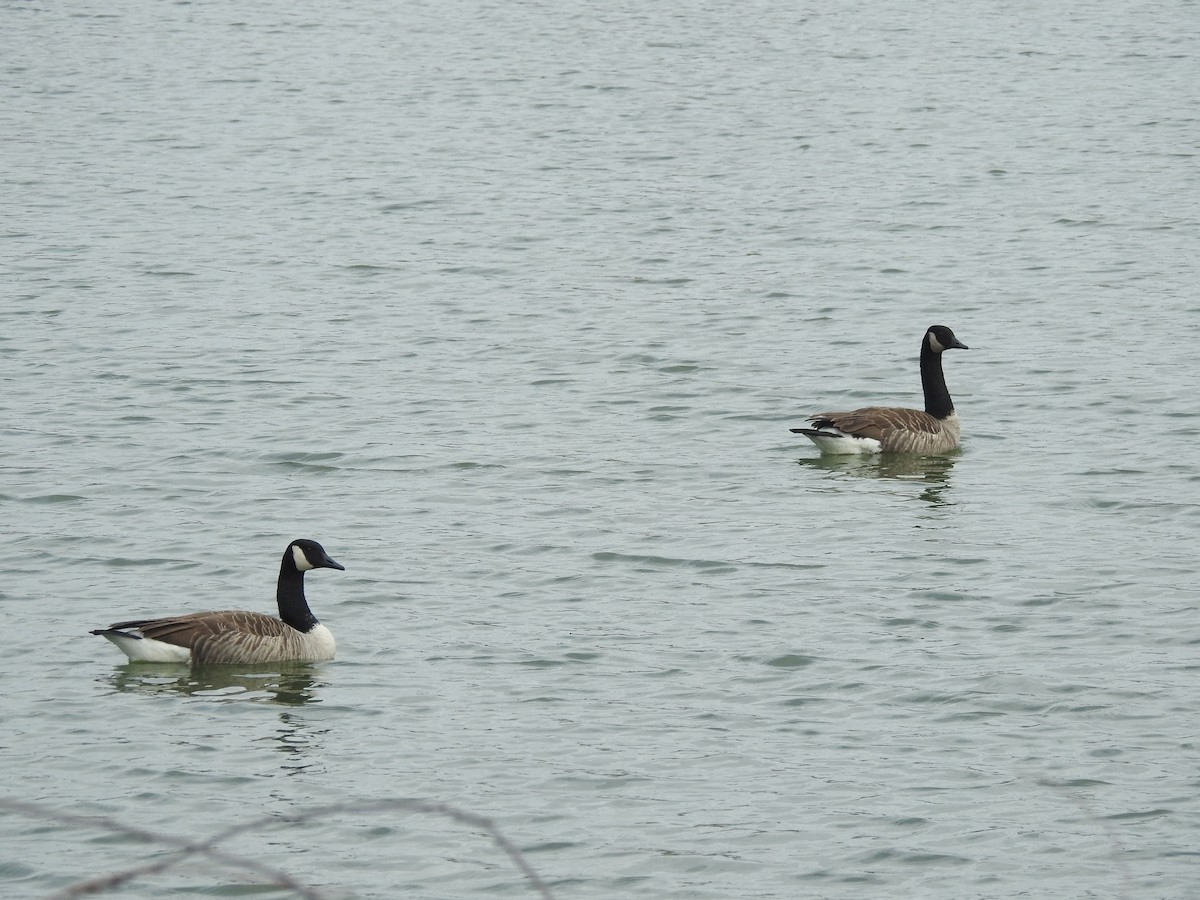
x,y
896,429
234,636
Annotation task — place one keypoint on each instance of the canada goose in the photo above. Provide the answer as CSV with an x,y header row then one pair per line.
x,y
235,636
890,429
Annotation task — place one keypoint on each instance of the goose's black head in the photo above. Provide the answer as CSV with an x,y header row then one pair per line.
x,y
306,554
939,338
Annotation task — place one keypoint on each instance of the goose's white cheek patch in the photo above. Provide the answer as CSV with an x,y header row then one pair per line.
x,y
301,560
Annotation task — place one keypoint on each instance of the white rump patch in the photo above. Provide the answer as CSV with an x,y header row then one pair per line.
x,y
140,649
300,559
835,442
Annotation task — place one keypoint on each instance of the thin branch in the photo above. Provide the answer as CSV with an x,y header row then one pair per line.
x,y
184,847
208,848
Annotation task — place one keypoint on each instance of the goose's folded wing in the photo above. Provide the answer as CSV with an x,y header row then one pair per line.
x,y
185,631
876,421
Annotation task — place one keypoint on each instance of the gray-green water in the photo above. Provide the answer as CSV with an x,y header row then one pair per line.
x,y
511,307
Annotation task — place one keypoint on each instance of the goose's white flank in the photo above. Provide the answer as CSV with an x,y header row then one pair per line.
x,y
890,429
235,636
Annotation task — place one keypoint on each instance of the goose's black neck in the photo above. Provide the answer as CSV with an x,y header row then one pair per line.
x,y
289,594
937,398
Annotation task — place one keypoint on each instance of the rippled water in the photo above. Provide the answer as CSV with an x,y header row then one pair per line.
x,y
511,307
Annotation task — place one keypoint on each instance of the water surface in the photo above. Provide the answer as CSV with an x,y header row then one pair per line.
x,y
511,307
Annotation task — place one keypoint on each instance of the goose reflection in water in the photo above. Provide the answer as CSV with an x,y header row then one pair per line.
x,y
289,685
931,471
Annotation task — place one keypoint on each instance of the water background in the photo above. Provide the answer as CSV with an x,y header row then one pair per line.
x,y
511,306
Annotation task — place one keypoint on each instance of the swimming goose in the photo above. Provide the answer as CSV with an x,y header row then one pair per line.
x,y
890,429
235,636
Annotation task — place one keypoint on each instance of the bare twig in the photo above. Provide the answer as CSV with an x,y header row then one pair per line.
x,y
208,848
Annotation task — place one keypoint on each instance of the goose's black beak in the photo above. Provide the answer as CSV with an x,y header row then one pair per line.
x,y
331,563
958,345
